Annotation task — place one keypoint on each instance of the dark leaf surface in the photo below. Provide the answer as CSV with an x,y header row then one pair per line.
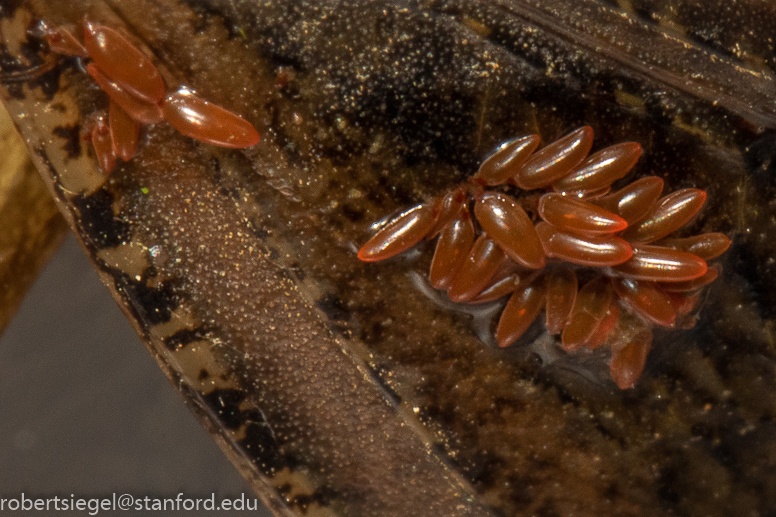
x,y
345,388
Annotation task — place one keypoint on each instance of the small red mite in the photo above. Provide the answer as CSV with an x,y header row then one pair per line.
x,y
139,96
490,247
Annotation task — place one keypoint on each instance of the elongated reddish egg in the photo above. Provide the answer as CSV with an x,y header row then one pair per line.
x,y
452,248
671,213
509,225
475,274
143,111
589,309
706,245
586,251
207,122
646,299
635,201
449,207
500,286
123,63
687,286
577,216
505,162
605,328
561,293
601,169
659,264
124,131
555,160
628,362
522,309
400,234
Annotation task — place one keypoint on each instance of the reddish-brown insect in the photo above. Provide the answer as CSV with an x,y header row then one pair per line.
x,y
139,96
639,278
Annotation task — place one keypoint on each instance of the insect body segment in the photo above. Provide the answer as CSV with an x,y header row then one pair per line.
x,y
139,96
493,244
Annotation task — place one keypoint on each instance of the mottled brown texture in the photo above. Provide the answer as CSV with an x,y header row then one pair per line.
x,y
31,228
368,107
338,425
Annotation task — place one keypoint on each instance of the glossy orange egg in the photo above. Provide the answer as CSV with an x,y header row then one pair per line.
x,y
506,161
449,207
687,286
671,213
605,328
628,362
123,63
578,216
561,292
400,234
601,169
523,307
635,201
590,307
207,122
141,110
508,224
475,274
555,160
706,245
647,300
658,264
124,131
501,286
583,250
452,248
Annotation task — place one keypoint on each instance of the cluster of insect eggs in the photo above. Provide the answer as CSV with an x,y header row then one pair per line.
x,y
138,95
489,247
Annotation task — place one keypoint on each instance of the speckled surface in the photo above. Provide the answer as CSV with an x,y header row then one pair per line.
x,y
332,381
85,409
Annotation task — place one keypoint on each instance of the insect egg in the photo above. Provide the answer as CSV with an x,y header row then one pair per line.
x,y
508,224
124,131
138,96
452,248
123,63
202,120
139,109
490,247
103,145
477,270
555,161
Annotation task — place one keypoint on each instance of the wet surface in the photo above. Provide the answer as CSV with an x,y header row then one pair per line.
x,y
240,269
